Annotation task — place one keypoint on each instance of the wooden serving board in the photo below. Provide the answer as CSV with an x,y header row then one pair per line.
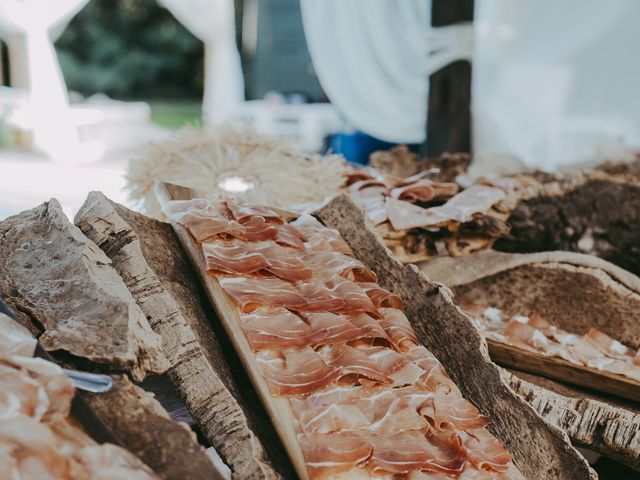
x,y
564,371
278,408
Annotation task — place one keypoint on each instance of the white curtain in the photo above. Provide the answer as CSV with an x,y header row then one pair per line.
x,y
25,26
373,59
213,22
554,82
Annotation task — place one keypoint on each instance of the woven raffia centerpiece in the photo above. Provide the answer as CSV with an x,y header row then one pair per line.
x,y
238,162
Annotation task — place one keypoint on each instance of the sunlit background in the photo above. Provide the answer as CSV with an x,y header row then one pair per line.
x,y
85,83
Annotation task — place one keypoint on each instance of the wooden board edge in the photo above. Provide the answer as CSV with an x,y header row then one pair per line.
x,y
278,409
564,371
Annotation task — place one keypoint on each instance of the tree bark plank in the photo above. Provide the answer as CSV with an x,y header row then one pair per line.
x,y
147,255
144,427
540,450
63,286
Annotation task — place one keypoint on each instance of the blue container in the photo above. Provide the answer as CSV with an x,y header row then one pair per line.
x,y
356,146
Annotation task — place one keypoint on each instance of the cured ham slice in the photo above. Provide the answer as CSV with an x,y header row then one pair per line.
x,y
319,237
58,387
21,395
460,208
295,371
607,345
237,258
327,265
327,328
289,236
243,212
400,416
394,365
424,359
271,327
425,190
328,455
484,451
251,293
371,196
415,450
338,295
397,327
381,297
15,339
331,418
452,411
353,363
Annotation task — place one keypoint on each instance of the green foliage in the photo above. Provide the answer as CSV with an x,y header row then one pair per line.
x,y
130,49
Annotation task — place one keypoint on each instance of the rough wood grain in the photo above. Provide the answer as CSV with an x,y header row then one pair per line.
x,y
564,371
144,427
591,423
540,450
575,291
148,257
63,286
596,213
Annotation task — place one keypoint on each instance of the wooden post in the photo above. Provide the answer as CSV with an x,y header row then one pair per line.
x,y
449,107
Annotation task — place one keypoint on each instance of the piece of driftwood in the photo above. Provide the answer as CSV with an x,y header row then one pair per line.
x,y
597,212
144,428
594,422
64,288
564,371
148,256
540,450
278,408
574,291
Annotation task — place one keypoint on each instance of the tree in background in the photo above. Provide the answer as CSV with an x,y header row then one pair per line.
x,y
130,49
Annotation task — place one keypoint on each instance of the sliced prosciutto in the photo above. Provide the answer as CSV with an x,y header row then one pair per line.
x,y
338,295
353,363
394,365
381,297
319,237
607,345
295,371
460,208
416,450
241,258
327,265
275,327
328,455
251,293
398,328
425,190
484,451
329,328
243,212
452,411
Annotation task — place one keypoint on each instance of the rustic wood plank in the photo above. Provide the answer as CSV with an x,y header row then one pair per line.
x,y
149,264
64,288
564,371
144,427
593,423
540,450
277,408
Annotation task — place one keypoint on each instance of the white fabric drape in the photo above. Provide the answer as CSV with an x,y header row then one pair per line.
x,y
213,22
25,25
369,56
373,59
554,81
